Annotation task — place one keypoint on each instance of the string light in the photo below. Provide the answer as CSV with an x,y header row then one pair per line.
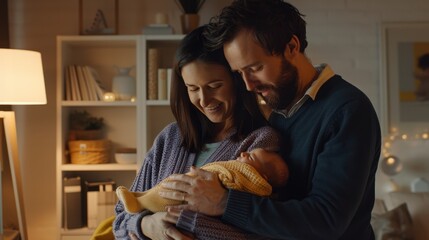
x,y
390,164
396,136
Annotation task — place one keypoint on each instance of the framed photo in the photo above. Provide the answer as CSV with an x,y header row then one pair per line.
x,y
405,77
98,17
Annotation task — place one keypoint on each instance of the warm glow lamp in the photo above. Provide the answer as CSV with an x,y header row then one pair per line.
x,y
21,83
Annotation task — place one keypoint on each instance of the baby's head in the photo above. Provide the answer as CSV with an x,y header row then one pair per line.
x,y
268,163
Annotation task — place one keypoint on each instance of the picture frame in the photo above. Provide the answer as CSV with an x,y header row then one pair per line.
x,y
405,107
98,17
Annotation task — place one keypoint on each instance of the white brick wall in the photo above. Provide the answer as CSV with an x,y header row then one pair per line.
x,y
346,34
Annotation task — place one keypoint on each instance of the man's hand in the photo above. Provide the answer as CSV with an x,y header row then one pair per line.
x,y
201,190
158,226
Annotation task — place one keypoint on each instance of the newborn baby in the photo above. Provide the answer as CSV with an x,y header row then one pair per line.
x,y
255,172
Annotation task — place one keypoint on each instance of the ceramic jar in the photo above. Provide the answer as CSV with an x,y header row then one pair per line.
x,y
123,84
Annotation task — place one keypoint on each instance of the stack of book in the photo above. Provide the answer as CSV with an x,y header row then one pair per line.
x,y
88,206
100,202
82,84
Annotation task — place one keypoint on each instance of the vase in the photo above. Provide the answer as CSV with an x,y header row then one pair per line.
x,y
189,22
123,85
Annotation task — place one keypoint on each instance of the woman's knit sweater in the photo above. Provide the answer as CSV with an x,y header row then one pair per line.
x,y
167,157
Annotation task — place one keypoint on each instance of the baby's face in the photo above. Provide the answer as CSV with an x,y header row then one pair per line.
x,y
267,163
255,158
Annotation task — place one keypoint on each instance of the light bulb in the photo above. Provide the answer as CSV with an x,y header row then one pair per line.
x,y
109,97
387,144
391,165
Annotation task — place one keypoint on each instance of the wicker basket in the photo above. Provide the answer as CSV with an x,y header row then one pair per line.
x,y
89,151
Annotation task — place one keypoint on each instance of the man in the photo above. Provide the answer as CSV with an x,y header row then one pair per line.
x,y
331,133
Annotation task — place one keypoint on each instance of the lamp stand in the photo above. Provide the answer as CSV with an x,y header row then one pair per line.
x,y
15,169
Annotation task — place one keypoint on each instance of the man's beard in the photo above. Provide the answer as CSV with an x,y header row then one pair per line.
x,y
282,95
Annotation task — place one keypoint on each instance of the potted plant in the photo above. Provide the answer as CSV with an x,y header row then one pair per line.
x,y
190,18
83,126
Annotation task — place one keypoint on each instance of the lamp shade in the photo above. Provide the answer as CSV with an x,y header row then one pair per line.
x,y
21,77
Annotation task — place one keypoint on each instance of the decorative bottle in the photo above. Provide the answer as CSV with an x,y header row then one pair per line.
x,y
123,84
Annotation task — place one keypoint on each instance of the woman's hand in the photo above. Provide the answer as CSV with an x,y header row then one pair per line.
x,y
201,189
160,226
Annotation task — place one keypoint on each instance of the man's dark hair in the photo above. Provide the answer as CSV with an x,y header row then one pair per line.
x,y
194,126
272,22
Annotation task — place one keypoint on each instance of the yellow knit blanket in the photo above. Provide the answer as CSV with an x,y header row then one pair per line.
x,y
240,176
233,175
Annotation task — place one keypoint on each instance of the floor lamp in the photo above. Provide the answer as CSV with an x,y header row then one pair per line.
x,y
21,83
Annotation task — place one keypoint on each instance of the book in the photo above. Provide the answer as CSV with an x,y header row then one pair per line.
x,y
162,83
95,80
91,84
76,96
169,76
83,87
68,88
100,201
72,203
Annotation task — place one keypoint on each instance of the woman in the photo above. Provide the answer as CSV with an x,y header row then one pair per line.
x,y
216,118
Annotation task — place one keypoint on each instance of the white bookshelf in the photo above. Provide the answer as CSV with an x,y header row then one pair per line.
x,y
129,124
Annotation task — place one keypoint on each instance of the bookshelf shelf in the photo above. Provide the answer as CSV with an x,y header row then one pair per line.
x,y
132,124
99,167
158,103
77,231
158,38
98,104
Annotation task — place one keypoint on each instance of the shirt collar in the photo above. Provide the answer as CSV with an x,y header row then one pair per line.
x,y
325,72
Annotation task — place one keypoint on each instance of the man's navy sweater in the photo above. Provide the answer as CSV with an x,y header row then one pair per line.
x,y
332,146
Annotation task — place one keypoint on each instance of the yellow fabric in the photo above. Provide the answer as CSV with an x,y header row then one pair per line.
x,y
240,176
233,175
135,202
104,230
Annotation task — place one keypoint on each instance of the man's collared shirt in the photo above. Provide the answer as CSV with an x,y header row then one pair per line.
x,y
325,72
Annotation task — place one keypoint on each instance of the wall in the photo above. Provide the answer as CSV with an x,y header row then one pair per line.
x,y
343,33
